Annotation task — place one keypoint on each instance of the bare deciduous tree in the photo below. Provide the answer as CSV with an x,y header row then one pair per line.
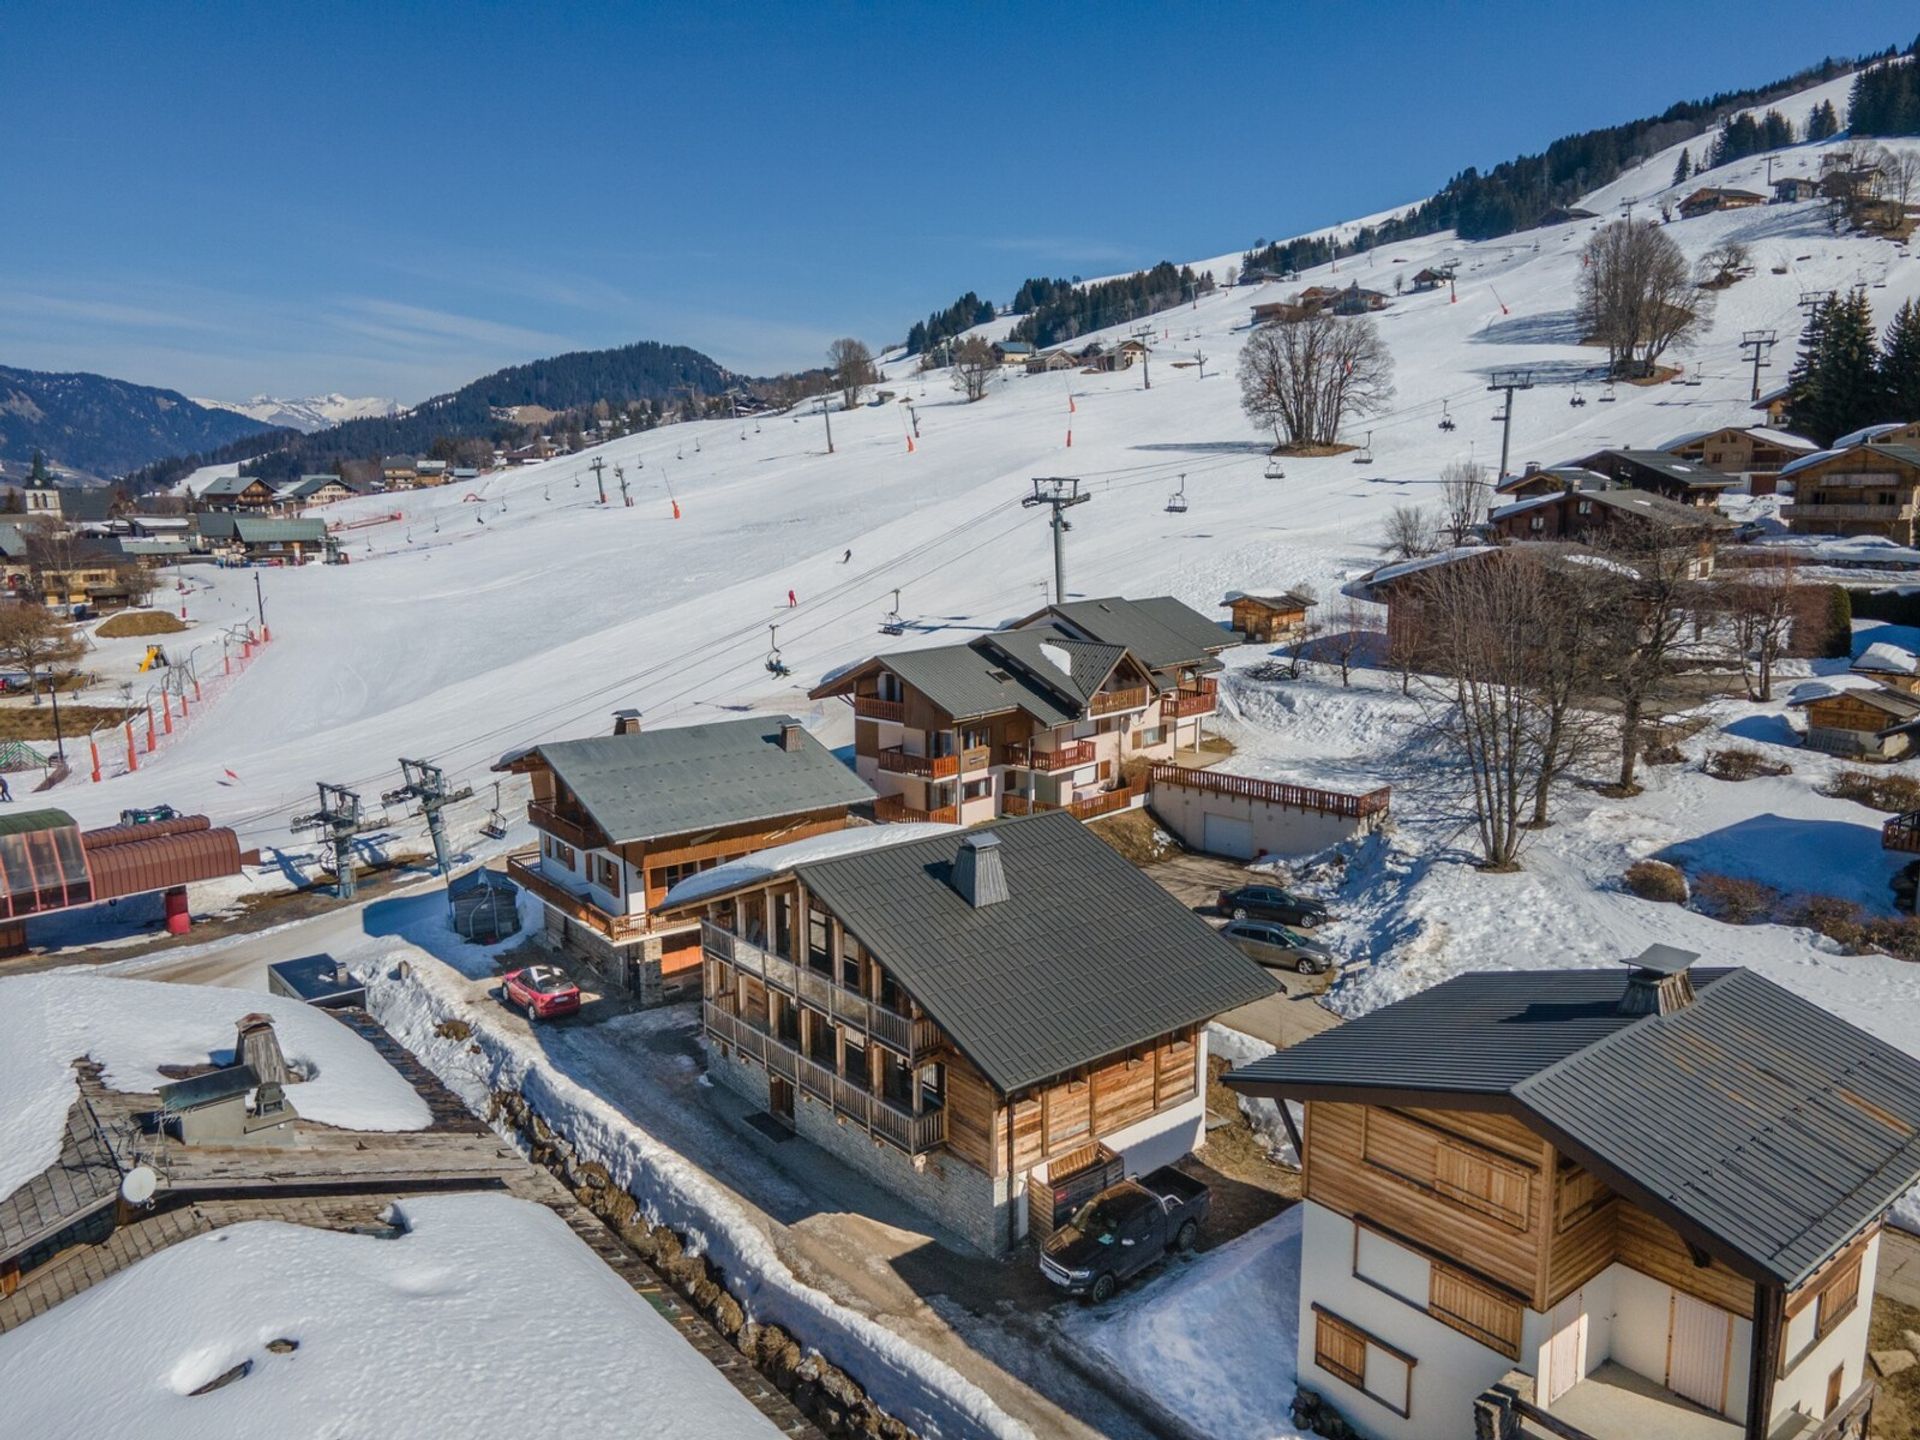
x,y
1637,296
1305,378
1463,500
1723,264
1410,532
851,364
1642,647
974,366
1763,604
32,638
1350,633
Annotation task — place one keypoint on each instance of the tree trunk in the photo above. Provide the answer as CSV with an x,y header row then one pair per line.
x,y
1629,741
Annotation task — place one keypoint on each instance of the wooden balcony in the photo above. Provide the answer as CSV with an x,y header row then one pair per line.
x,y
1112,702
1902,832
880,1117
581,835
1198,700
872,707
896,761
913,1038
1848,510
525,870
1062,757
1091,807
892,808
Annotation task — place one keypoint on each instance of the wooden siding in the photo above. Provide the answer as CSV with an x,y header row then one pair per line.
x,y
1843,712
1650,1246
972,1117
1097,1102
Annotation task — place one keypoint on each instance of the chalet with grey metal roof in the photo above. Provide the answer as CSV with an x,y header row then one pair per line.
x,y
1052,712
967,1016
621,818
1532,1194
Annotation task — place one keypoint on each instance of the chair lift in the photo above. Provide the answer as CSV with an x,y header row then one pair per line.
x,y
1498,417
1606,396
495,825
1577,399
775,665
1274,472
1177,502
893,624
1365,457
1446,415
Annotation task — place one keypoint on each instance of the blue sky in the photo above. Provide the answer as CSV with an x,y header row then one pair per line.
x,y
395,198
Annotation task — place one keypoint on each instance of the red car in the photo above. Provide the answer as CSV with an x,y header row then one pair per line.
x,y
540,990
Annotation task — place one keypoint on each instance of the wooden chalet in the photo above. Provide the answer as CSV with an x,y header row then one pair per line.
x,y
1595,1206
1281,312
1047,713
1752,454
1773,404
1868,722
398,472
1789,189
957,1016
1889,665
1268,619
1052,361
1711,199
1871,488
1586,516
1431,278
1013,352
238,492
1657,472
1537,479
315,490
622,818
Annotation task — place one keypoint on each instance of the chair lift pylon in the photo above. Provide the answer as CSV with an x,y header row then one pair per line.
x,y
893,624
1177,501
775,665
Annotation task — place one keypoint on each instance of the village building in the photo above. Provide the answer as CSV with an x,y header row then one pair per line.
x,y
1866,489
1657,472
1061,710
1583,1203
1537,479
1281,312
624,817
958,1016
1711,199
1886,433
1752,454
430,472
239,492
1590,516
1889,665
1355,301
398,472
1270,619
1051,361
1867,722
1773,404
1789,189
270,540
315,490
1431,278
1013,352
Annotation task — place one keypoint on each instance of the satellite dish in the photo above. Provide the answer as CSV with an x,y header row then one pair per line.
x,y
138,1186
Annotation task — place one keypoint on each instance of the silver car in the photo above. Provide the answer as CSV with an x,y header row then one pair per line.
x,y
1271,943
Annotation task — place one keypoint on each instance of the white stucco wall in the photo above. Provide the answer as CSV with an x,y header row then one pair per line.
x,y
1277,829
1804,1387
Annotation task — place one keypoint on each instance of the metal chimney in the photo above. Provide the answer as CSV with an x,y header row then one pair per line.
x,y
1658,982
978,873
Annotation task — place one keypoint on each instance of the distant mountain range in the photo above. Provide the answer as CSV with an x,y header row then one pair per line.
x,y
105,426
316,412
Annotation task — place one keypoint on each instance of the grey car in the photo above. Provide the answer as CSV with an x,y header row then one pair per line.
x,y
1271,943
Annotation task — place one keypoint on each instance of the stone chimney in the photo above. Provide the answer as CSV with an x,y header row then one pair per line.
x,y
1658,982
791,732
626,722
978,873
1533,468
259,1047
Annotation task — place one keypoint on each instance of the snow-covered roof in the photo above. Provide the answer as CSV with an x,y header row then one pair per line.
x,y
1866,433
1388,573
1532,502
1783,438
766,864
1881,658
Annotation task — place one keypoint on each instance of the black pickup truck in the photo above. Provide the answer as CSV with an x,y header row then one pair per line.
x,y
1123,1230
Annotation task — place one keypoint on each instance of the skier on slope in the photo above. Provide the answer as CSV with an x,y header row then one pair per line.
x,y
846,557
792,600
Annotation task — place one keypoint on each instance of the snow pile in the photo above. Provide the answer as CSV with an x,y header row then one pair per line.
x,y
932,1397
765,864
1214,1339
488,1316
132,1027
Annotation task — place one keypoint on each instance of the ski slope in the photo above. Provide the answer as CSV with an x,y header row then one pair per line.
x,y
523,609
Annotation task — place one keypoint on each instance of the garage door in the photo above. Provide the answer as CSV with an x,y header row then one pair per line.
x,y
1224,835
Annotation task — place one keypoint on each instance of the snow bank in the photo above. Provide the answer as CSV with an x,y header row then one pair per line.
x,y
132,1027
1168,1336
489,1316
930,1396
764,864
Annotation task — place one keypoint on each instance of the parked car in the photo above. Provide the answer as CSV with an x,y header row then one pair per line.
x,y
1272,943
542,991
1123,1230
1270,902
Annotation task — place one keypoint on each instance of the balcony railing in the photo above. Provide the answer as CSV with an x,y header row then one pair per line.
x,y
574,832
1199,700
872,707
928,767
525,870
1902,832
913,1038
880,1117
1108,702
893,808
1092,807
1062,757
1849,510
1274,792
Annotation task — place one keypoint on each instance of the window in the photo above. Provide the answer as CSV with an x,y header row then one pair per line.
x,y
1539,522
607,873
558,852
1838,1299
1586,507
1155,736
981,789
1372,1367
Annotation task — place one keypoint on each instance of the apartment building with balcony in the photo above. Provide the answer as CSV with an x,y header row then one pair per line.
x,y
622,818
1593,1206
1869,488
1045,714
964,1016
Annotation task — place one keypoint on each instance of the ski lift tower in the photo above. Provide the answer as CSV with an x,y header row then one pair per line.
x,y
340,819
426,786
1059,494
1760,343
1508,381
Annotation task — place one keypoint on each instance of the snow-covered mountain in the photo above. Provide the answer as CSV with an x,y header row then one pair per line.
x,y
316,412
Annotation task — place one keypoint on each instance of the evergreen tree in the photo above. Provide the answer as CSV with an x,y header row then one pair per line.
x,y
1683,169
1822,122
1835,383
1900,366
1776,131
